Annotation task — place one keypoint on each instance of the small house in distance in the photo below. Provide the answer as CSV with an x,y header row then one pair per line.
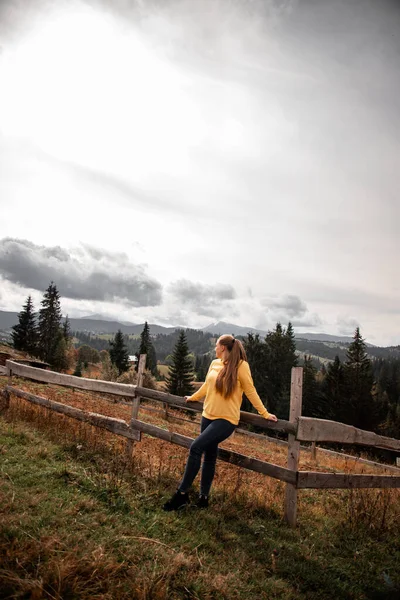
x,y
132,359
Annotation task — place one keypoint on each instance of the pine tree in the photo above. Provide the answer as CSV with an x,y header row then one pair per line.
x,y
333,388
60,359
67,330
202,363
314,403
359,379
118,353
180,374
146,347
78,369
256,355
24,334
50,325
280,357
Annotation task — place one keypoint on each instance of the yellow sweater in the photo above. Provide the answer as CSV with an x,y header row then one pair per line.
x,y
218,407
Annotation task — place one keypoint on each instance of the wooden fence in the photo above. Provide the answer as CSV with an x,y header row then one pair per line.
x,y
298,428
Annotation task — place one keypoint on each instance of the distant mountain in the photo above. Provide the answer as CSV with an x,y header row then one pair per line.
x,y
315,344
222,327
325,337
100,317
101,326
8,319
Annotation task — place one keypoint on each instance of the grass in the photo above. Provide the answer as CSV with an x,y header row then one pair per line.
x,y
79,519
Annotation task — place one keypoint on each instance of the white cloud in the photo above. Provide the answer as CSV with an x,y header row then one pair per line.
x,y
252,145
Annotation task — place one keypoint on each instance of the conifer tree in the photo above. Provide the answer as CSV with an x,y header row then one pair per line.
x,y
256,355
78,369
201,366
334,391
118,353
67,330
359,379
280,357
314,403
50,325
180,374
24,334
60,359
146,347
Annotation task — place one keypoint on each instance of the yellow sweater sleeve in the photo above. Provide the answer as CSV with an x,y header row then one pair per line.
x,y
246,382
201,392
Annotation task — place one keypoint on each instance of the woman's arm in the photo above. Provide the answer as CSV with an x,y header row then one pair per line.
x,y
201,392
246,381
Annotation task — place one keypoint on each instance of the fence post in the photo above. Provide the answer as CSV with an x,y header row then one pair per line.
x,y
136,401
313,452
296,389
9,373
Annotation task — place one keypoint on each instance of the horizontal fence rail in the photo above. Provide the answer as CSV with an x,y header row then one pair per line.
x,y
128,390
322,430
120,427
311,479
299,429
80,383
245,417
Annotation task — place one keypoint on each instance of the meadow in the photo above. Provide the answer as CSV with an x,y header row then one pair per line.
x,y
82,519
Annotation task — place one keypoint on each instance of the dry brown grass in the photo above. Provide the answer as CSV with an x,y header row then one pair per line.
x,y
160,460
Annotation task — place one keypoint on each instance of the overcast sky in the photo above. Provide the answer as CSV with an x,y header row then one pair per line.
x,y
189,161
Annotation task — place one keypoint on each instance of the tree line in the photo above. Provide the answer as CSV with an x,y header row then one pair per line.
x,y
43,335
352,390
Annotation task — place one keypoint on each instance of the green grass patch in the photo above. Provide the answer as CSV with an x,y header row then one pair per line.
x,y
77,522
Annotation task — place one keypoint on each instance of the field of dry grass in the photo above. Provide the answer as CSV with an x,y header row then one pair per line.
x,y
97,499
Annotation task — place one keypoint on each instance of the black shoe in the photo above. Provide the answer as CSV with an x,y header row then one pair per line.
x,y
177,501
202,501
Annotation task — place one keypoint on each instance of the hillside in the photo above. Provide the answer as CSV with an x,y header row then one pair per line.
x,y
81,520
322,346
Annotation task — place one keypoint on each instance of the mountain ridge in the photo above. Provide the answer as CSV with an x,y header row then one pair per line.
x,y
107,325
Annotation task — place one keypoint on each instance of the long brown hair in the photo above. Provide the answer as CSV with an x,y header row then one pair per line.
x,y
227,377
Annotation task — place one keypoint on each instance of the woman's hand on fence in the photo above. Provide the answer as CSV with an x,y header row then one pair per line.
x,y
272,417
186,398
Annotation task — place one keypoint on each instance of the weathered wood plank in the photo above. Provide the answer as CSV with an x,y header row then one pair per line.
x,y
321,430
122,389
296,391
241,460
311,479
92,385
245,417
120,427
136,402
117,426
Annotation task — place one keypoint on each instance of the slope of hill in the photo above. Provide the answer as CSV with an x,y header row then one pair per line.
x,y
321,345
100,326
82,519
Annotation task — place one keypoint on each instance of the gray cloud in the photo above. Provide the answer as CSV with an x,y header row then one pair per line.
x,y
85,273
347,325
312,320
207,300
290,305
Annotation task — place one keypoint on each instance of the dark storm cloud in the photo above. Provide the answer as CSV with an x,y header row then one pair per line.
x,y
85,273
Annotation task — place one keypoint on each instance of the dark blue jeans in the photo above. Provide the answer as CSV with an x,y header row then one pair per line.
x,y
213,432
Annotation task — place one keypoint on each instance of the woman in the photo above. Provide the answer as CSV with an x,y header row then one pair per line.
x,y
227,378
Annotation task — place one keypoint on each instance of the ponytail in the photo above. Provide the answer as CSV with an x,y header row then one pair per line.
x,y
227,377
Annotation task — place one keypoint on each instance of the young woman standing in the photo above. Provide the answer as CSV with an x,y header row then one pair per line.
x,y
227,379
